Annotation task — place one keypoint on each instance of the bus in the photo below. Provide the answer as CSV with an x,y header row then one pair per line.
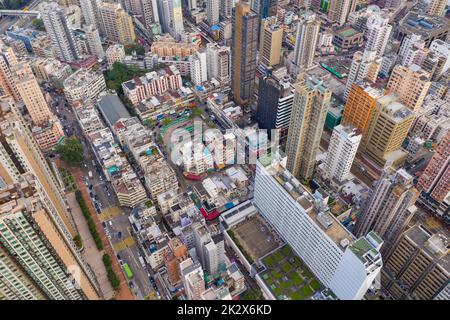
x,y
127,270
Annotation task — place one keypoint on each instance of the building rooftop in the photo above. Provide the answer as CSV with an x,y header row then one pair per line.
x,y
424,24
316,210
112,108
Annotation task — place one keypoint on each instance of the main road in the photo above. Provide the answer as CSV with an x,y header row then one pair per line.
x,y
115,218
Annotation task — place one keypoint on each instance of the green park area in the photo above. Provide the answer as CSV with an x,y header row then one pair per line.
x,y
288,277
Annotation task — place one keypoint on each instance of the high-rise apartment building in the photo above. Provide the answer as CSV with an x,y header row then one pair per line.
x,y
218,62
346,265
311,102
389,208
7,61
20,153
341,152
361,102
176,254
275,101
437,7
271,37
31,94
243,52
435,180
264,8
377,33
412,50
417,267
150,13
388,128
212,12
365,67
93,41
117,23
193,281
57,27
199,68
340,9
90,11
411,85
38,257
226,8
306,39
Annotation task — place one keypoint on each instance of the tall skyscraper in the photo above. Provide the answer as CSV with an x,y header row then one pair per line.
x,y
212,11
311,102
38,257
264,8
117,24
435,180
271,37
341,152
275,101
226,7
306,39
388,128
93,41
361,102
31,94
19,153
7,61
365,67
63,40
176,17
243,52
164,15
89,11
346,265
340,9
389,207
378,32
417,268
150,13
437,7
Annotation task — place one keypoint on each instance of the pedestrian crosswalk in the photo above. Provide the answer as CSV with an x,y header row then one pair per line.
x,y
125,243
109,213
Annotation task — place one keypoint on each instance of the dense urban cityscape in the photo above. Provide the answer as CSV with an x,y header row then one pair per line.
x,y
224,150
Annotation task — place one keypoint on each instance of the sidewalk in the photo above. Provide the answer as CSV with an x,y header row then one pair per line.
x,y
124,292
90,253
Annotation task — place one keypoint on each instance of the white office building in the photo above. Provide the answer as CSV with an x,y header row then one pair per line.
x,y
365,67
378,32
348,266
199,68
306,39
341,153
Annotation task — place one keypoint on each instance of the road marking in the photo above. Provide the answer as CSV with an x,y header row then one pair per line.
x,y
109,213
124,244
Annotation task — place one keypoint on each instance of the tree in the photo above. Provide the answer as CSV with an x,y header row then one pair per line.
x,y
38,24
140,50
71,151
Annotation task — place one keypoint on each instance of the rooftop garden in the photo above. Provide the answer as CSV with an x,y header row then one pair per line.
x,y
288,277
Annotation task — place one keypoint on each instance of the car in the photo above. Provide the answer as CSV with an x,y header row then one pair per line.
x,y
104,225
91,194
96,197
120,262
109,194
118,256
119,234
90,186
131,284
